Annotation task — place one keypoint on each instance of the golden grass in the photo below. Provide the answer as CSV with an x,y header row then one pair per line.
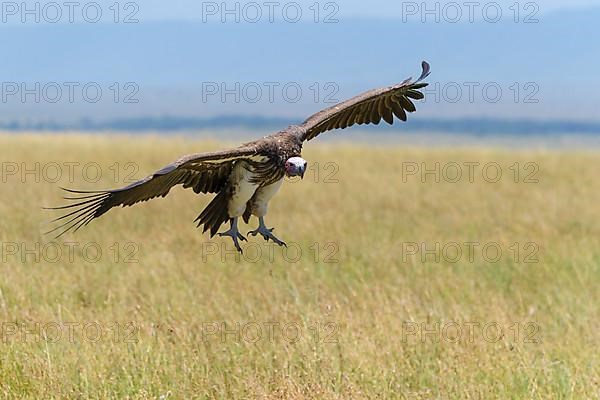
x,y
354,316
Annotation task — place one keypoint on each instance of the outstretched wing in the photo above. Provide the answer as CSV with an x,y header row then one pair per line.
x,y
205,173
369,107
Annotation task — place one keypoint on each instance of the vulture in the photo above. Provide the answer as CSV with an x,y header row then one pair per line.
x,y
245,178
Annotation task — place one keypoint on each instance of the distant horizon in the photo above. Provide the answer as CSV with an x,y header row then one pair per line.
x,y
166,124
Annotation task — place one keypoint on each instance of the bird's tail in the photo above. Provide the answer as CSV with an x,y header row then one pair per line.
x,y
215,213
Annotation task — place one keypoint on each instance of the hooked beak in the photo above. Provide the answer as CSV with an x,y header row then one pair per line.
x,y
296,166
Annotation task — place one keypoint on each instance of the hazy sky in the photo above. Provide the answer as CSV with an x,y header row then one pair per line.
x,y
531,65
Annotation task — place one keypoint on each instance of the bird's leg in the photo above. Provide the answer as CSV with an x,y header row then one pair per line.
x,y
234,234
267,233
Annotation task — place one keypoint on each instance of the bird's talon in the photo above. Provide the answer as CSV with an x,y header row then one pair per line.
x,y
235,235
266,233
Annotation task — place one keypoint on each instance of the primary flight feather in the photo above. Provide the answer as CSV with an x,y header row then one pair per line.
x,y
247,177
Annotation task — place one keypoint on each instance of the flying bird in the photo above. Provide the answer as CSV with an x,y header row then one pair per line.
x,y
245,178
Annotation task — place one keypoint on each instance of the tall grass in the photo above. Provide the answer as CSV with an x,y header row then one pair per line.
x,y
370,300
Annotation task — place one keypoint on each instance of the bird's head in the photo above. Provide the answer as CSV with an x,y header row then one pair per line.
x,y
295,166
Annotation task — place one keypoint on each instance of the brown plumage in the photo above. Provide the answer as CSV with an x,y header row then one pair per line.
x,y
247,169
368,108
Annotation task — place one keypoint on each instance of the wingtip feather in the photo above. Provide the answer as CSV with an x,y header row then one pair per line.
x,y
426,70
